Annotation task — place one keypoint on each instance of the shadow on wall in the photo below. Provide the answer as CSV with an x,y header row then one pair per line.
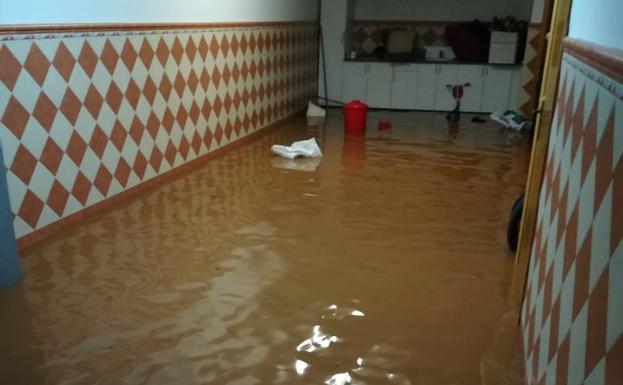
x,y
9,263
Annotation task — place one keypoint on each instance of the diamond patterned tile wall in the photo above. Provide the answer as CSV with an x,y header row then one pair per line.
x,y
86,116
572,316
530,72
369,34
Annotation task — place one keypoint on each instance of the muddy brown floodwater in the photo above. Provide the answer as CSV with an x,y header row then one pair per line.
x,y
382,263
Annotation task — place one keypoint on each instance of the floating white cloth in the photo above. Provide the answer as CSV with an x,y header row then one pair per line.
x,y
308,165
305,148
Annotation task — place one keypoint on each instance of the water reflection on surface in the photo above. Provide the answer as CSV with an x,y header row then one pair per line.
x,y
382,263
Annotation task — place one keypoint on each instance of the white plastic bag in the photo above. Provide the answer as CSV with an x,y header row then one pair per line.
x,y
308,165
305,148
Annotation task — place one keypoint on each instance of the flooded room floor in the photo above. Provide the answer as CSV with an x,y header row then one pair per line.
x,y
382,263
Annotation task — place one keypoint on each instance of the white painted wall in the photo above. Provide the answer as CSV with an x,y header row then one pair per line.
x,y
598,21
538,8
335,13
147,11
442,9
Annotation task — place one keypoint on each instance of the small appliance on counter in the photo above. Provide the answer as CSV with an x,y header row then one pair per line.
x,y
503,48
439,53
508,37
400,44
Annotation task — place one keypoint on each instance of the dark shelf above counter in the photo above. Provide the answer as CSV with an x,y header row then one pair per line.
x,y
420,61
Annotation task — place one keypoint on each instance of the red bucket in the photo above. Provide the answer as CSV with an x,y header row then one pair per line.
x,y
355,115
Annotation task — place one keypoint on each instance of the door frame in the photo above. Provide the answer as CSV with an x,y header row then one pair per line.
x,y
557,30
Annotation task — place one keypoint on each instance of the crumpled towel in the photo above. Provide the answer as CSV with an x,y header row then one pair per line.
x,y
308,165
305,148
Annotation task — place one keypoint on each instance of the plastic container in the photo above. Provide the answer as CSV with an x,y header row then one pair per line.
x,y
9,262
385,125
355,116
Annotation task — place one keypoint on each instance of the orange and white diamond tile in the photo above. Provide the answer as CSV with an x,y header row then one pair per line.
x,y
86,116
572,317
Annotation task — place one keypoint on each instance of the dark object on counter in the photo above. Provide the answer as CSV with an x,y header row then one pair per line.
x,y
478,119
514,224
379,52
419,54
508,24
469,41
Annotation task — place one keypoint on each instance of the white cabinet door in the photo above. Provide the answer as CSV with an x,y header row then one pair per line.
x,y
379,88
447,75
513,100
404,87
354,81
472,96
497,87
426,86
